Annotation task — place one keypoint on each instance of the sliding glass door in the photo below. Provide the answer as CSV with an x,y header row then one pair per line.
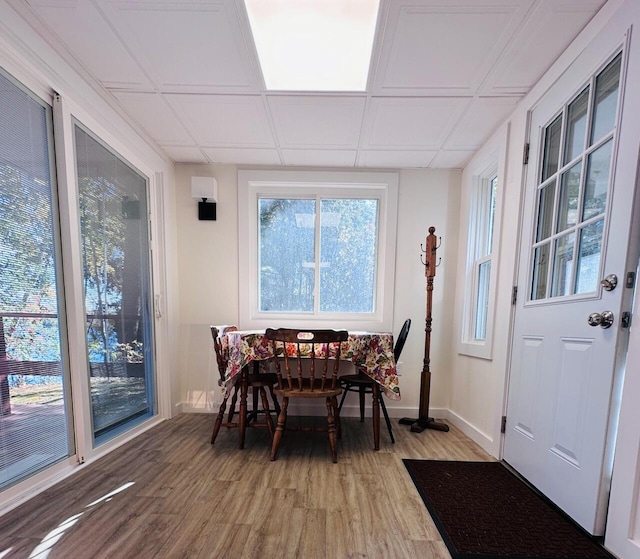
x,y
35,403
108,211
117,286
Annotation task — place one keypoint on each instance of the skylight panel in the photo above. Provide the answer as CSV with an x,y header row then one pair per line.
x,y
314,45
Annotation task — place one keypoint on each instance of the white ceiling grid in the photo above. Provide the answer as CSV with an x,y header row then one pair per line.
x,y
443,76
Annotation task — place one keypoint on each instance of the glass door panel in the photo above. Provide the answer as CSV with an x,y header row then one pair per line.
x,y
546,201
35,406
589,257
569,193
576,126
117,286
563,259
540,271
604,112
552,148
595,198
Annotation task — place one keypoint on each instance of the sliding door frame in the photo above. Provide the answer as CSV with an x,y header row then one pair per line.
x,y
35,75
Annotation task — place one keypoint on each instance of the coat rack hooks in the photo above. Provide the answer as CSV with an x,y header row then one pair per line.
x,y
429,262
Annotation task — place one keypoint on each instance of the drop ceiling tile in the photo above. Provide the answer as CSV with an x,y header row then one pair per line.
x,y
155,116
414,123
243,156
439,47
316,121
186,46
183,154
224,120
543,37
405,159
451,159
77,25
484,116
324,158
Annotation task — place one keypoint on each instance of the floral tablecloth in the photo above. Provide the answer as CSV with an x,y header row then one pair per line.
x,y
371,352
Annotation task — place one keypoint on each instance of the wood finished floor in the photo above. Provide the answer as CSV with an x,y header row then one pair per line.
x,y
188,499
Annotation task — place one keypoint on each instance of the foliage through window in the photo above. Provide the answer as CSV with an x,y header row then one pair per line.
x,y
117,288
339,276
35,404
320,247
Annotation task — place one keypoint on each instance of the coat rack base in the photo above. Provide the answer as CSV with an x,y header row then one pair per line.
x,y
419,425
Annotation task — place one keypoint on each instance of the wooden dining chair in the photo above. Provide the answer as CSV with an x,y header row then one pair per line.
x,y
258,382
364,384
307,374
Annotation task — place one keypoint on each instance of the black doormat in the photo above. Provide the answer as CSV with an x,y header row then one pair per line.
x,y
484,511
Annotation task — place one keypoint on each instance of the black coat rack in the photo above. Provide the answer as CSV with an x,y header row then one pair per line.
x,y
424,421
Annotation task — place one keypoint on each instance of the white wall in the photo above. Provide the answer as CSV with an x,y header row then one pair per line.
x,y
208,269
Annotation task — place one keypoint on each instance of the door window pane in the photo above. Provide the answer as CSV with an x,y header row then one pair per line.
x,y
562,261
545,211
595,196
287,277
569,193
604,113
117,285
348,241
551,148
540,272
587,273
576,126
34,391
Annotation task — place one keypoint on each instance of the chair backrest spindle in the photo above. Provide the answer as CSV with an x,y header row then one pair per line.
x,y
313,346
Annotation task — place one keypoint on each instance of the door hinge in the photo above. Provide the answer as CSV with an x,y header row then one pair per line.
x,y
514,295
503,425
525,154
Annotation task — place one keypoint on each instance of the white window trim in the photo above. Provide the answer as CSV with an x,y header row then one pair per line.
x,y
252,183
486,167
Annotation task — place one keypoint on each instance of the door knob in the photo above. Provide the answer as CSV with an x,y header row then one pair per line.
x,y
604,320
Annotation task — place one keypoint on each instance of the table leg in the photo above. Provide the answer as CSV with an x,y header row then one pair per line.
x,y
376,416
242,420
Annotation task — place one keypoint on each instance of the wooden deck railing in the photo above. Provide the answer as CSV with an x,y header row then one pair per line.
x,y
52,368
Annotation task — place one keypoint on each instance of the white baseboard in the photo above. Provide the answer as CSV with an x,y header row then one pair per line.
x,y
481,439
185,407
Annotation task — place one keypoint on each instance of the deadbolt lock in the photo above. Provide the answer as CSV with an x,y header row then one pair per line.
x,y
609,283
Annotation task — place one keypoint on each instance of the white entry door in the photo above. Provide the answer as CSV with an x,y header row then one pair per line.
x,y
569,332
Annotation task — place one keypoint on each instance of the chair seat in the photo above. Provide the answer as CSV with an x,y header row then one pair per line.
x,y
262,379
307,392
359,379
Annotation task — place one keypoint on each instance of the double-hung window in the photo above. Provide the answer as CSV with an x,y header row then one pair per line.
x,y
480,263
317,247
485,211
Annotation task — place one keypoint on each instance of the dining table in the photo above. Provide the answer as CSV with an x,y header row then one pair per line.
x,y
369,352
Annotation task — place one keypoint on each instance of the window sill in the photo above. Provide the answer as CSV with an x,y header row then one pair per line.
x,y
480,350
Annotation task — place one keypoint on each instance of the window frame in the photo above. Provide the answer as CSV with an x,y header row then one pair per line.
x,y
253,183
489,166
480,247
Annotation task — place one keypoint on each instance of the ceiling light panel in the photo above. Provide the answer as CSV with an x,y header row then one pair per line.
x,y
313,45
